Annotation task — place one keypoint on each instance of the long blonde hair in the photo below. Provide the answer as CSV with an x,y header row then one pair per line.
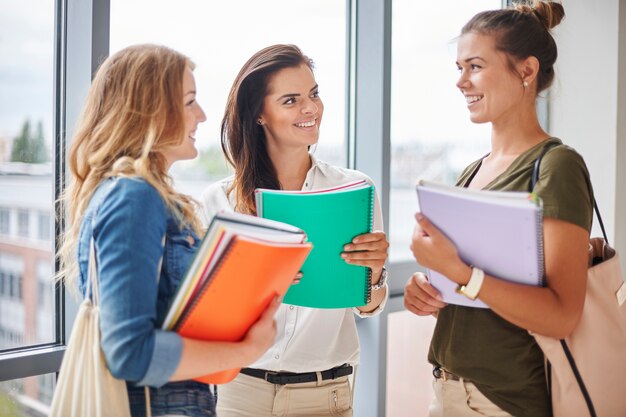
x,y
134,110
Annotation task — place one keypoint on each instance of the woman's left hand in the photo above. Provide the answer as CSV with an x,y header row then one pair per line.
x,y
432,249
369,249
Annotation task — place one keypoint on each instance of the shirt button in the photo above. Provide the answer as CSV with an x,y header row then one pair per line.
x,y
290,307
276,356
306,184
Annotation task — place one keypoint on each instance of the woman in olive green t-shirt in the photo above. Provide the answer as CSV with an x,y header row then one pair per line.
x,y
486,362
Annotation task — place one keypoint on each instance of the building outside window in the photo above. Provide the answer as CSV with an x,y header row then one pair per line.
x,y
27,184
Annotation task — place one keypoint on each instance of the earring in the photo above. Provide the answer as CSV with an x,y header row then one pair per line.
x,y
525,84
259,122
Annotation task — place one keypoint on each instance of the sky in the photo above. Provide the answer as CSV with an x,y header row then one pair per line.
x,y
221,36
26,64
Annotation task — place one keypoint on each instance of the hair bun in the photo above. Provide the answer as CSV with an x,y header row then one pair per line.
x,y
548,13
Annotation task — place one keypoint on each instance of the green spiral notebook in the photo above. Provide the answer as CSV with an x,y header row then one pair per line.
x,y
331,218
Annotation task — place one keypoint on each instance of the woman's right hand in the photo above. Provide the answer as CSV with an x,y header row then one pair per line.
x,y
420,297
261,335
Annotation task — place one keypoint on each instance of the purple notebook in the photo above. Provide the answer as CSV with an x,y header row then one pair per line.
x,y
498,232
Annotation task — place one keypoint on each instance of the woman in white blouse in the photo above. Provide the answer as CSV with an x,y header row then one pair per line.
x,y
272,117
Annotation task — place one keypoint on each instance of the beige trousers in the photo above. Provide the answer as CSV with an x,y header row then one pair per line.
x,y
247,396
461,399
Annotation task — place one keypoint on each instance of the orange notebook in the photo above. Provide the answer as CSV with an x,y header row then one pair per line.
x,y
246,277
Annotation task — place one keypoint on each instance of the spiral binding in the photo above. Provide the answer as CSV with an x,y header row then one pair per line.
x,y
541,259
368,271
184,316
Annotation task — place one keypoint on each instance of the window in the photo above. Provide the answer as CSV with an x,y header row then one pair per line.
x,y
27,397
45,388
224,36
23,220
45,301
43,231
16,286
431,134
27,74
4,221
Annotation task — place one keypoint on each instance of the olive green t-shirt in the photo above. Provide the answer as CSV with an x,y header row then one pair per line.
x,y
500,358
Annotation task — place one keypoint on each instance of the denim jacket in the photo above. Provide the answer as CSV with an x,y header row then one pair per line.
x,y
128,221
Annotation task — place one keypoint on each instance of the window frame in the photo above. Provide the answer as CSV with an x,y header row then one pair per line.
x,y
80,35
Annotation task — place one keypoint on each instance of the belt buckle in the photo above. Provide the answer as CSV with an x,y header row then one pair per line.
x,y
269,374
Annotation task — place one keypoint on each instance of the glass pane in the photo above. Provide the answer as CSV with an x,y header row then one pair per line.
x,y
26,180
220,37
28,397
431,134
409,375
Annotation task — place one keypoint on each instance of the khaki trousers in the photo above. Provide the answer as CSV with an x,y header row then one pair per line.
x,y
247,396
461,399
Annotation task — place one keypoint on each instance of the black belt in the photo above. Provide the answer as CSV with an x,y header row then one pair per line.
x,y
440,373
284,378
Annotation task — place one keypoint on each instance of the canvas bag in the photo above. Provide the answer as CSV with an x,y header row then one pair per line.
x,y
85,387
586,371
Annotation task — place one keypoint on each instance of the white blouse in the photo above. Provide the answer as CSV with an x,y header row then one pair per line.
x,y
308,339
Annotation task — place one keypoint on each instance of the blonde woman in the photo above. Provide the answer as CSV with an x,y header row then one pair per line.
x,y
140,117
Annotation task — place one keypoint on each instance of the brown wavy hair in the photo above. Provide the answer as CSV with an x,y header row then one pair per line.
x,y
243,139
522,31
134,110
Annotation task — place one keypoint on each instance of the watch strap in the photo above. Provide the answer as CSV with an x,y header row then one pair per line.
x,y
381,282
473,286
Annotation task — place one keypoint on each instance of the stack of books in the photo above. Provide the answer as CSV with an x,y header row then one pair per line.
x,y
242,263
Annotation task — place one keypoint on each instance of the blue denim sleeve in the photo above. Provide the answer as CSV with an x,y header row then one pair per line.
x,y
128,232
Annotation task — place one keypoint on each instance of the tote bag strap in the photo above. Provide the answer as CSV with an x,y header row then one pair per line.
x,y
93,285
566,350
93,288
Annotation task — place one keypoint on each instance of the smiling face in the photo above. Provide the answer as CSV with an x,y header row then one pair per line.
x,y
292,109
493,91
193,115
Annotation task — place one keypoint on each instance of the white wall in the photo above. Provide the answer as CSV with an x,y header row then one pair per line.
x,y
584,109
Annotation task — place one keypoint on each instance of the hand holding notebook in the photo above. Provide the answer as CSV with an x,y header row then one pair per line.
x,y
498,232
331,218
